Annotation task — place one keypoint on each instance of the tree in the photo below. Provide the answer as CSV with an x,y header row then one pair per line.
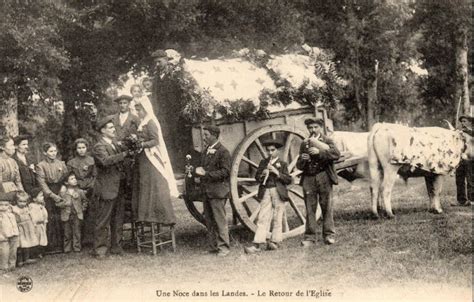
x,y
373,48
31,58
445,28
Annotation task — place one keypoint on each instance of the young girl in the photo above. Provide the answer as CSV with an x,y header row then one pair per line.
x,y
39,216
50,173
26,229
8,235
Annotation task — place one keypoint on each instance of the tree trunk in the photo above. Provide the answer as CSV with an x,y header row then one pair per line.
x,y
372,98
9,114
462,79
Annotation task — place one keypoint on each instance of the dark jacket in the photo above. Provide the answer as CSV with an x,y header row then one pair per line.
x,y
109,163
281,182
28,176
70,202
129,127
217,165
324,161
85,170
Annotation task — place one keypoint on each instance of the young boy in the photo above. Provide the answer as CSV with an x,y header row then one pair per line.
x,y
73,203
272,173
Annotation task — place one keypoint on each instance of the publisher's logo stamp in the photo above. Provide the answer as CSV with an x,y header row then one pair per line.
x,y
24,284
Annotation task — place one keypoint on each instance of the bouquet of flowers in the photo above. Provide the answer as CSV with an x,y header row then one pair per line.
x,y
132,143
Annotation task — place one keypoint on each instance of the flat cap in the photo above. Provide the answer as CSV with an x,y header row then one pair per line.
x,y
272,142
123,97
214,130
312,120
103,121
467,117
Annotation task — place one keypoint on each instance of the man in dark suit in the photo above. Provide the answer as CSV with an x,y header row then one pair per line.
x,y
108,190
272,174
464,172
214,174
316,160
125,122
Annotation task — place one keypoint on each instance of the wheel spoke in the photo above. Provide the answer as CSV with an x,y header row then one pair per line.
x,y
249,161
260,148
298,212
245,197
286,148
286,226
297,193
246,179
296,173
247,209
255,213
292,165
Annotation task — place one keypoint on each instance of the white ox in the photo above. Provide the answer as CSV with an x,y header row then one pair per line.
x,y
352,144
430,152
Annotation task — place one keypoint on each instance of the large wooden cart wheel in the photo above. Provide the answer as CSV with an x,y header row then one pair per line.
x,y
195,207
244,187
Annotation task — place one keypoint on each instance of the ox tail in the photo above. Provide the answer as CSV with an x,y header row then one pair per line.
x,y
372,155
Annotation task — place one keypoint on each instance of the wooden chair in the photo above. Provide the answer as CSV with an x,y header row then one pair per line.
x,y
154,235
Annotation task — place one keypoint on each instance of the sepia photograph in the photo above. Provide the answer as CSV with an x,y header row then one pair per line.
x,y
236,150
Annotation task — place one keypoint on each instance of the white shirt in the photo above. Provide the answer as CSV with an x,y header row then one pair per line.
x,y
123,117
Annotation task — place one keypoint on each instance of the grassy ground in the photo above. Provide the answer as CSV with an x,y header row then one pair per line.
x,y
415,256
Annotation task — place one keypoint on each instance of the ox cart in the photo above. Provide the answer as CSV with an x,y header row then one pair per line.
x,y
244,140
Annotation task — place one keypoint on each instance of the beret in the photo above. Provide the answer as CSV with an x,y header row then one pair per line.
x,y
213,130
318,121
123,97
467,117
272,142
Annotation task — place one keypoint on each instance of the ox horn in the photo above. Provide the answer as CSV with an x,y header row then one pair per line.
x,y
450,126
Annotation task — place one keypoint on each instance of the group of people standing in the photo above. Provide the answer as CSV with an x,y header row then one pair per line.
x,y
316,161
55,207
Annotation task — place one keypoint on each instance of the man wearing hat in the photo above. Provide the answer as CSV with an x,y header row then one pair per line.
x,y
214,173
108,190
272,174
465,193
316,160
125,122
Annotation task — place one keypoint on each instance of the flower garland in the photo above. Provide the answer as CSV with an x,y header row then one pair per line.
x,y
198,104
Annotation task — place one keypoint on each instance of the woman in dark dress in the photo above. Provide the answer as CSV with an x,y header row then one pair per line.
x,y
25,165
151,200
49,174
